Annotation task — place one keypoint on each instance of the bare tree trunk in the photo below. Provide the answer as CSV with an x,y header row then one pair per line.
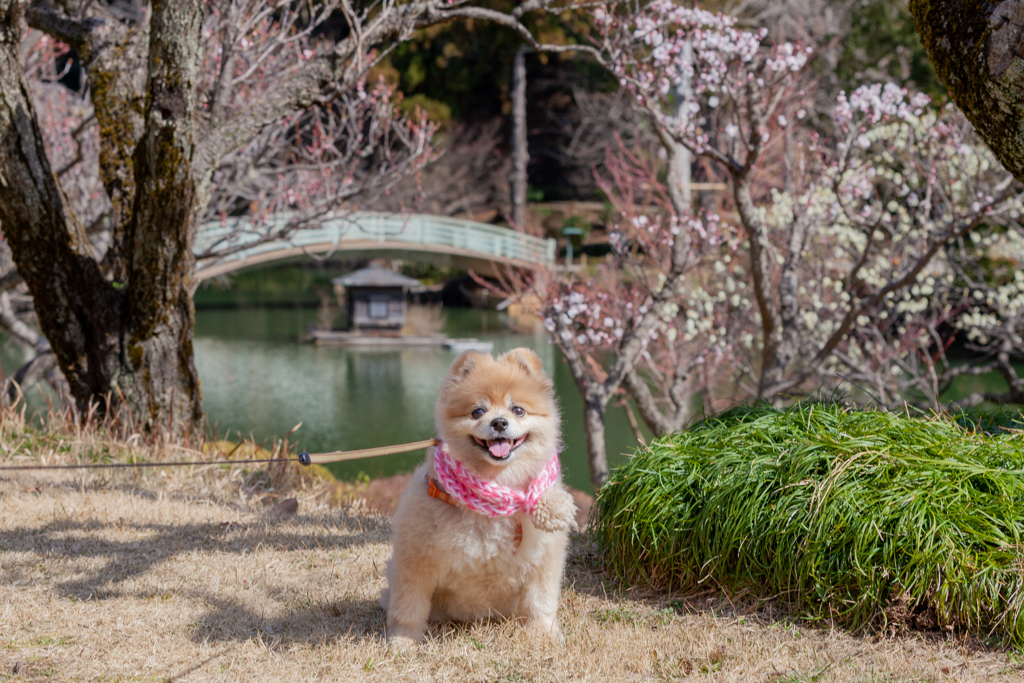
x,y
159,242
682,158
597,458
520,152
974,47
133,337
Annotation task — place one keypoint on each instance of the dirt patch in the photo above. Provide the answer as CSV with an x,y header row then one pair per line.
x,y
903,614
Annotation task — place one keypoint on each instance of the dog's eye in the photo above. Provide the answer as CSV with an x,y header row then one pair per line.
x,y
478,413
518,412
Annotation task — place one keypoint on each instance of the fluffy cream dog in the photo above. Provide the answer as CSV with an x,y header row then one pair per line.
x,y
498,420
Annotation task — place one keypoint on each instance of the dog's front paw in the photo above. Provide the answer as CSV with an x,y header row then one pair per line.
x,y
544,628
403,645
555,511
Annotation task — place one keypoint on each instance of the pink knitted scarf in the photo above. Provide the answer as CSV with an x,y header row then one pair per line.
x,y
488,498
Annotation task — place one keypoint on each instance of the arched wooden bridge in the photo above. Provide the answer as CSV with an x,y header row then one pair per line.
x,y
449,241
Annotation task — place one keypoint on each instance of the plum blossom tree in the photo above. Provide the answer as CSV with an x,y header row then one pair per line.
x,y
634,314
980,305
191,110
843,260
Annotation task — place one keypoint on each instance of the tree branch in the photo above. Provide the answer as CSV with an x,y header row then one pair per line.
x,y
18,329
72,31
28,375
322,79
646,404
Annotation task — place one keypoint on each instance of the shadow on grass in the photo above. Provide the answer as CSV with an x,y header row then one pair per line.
x,y
138,486
64,541
586,574
350,618
644,607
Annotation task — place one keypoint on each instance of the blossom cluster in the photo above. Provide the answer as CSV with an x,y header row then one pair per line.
x,y
861,223
662,49
899,179
991,303
626,297
251,46
876,102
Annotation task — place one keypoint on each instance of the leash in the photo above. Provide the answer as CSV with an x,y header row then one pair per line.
x,y
338,456
304,458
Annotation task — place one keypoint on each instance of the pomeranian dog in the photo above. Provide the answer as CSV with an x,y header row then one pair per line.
x,y
481,530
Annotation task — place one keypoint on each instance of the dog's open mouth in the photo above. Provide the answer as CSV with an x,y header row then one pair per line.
x,y
500,449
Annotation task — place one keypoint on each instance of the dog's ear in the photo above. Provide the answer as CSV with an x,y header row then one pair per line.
x,y
529,360
464,363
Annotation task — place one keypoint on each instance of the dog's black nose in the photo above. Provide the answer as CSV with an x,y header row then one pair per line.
x,y
499,424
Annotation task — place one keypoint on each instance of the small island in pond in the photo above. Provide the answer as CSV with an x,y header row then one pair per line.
x,y
375,301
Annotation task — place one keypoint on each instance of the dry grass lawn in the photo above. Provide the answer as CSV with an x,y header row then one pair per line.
x,y
188,577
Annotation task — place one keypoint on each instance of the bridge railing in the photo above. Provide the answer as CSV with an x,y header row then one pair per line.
x,y
440,233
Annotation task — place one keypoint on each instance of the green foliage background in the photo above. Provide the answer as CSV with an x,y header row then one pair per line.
x,y
882,41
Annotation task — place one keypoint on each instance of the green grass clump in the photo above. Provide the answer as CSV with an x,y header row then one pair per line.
x,y
866,518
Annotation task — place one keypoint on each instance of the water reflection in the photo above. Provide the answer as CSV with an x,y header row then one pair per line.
x,y
258,380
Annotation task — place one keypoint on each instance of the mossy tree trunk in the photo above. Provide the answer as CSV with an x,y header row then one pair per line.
x,y
977,49
123,328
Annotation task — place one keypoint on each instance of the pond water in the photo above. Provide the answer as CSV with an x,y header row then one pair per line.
x,y
259,381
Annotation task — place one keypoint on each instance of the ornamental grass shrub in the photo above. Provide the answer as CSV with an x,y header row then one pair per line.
x,y
862,518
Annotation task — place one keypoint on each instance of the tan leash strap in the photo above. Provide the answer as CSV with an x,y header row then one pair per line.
x,y
338,456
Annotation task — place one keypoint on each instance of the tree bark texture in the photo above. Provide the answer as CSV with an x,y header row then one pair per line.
x,y
597,458
133,337
520,152
976,47
158,246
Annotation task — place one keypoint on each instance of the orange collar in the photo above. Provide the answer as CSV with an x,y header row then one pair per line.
x,y
434,490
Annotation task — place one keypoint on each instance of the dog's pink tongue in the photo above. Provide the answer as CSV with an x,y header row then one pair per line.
x,y
499,449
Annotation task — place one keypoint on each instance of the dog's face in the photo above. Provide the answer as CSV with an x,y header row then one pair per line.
x,y
498,411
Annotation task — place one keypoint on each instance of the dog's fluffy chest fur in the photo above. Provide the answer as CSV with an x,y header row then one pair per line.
x,y
469,542
479,540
